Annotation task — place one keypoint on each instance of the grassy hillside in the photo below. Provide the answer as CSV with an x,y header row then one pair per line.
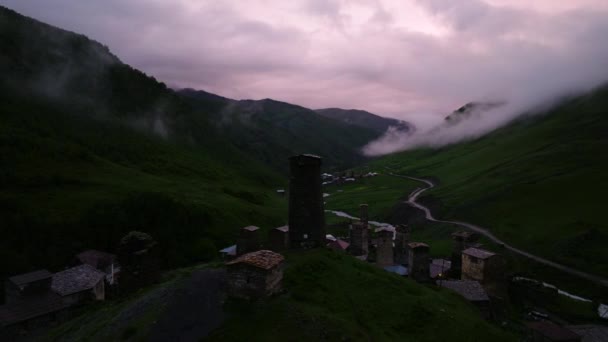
x,y
91,149
538,183
271,130
334,297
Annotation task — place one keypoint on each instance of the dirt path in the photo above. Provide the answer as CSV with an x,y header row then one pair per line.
x,y
485,232
195,310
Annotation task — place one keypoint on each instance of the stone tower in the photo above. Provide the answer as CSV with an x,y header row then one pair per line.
x,y
419,264
402,238
460,241
248,240
384,247
363,213
359,239
278,239
306,214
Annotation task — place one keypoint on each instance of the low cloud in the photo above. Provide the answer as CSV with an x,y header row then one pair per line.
x,y
415,60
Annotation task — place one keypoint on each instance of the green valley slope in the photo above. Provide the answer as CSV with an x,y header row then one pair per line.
x,y
91,148
538,183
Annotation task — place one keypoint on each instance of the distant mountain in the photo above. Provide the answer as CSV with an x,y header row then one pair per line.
x,y
365,119
272,130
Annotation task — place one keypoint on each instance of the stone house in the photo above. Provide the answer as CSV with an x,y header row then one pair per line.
x,y
79,284
550,332
26,285
30,313
481,265
472,291
105,262
255,275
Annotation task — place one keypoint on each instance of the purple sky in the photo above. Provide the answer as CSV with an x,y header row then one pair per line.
x,y
411,59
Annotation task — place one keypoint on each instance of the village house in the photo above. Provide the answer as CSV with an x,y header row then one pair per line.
x,y
26,285
30,313
590,332
278,239
255,275
30,304
481,265
248,240
79,284
338,245
472,291
550,332
102,261
439,268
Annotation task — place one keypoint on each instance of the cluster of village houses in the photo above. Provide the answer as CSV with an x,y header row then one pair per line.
x,y
36,298
255,268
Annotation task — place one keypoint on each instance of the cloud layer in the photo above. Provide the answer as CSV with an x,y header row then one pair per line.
x,y
412,59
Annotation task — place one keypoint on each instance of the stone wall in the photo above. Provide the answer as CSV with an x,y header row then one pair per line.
x,y
249,282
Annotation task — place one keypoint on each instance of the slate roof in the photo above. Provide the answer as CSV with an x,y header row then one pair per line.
x,y
251,228
417,245
469,289
439,266
263,259
553,331
76,279
230,250
478,253
284,229
397,269
590,332
338,244
30,308
26,278
95,258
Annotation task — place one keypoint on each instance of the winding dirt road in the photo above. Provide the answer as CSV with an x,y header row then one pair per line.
x,y
483,231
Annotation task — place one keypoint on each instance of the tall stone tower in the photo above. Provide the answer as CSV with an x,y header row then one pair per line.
x,y
363,213
461,240
384,247
306,213
359,239
419,264
402,239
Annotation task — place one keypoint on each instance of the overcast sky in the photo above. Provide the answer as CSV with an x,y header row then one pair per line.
x,y
401,58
